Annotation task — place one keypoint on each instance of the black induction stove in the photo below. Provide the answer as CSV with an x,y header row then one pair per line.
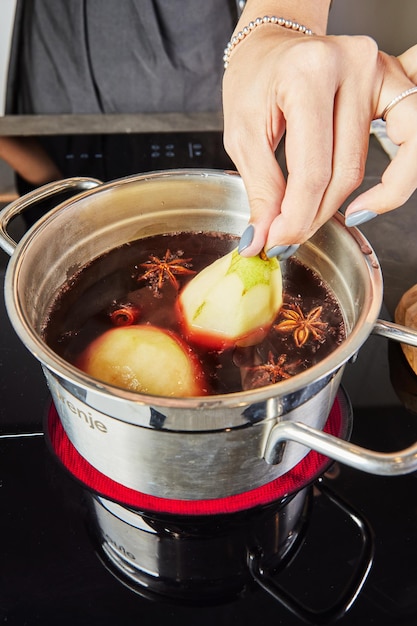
x,y
52,568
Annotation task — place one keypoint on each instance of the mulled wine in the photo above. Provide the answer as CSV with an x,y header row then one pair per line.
x,y
137,286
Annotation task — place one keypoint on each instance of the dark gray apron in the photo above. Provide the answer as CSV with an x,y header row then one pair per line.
x,y
118,56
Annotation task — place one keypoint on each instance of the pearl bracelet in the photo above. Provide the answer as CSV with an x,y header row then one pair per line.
x,y
242,34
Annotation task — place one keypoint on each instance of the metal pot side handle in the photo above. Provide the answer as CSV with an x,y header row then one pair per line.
x,y
353,586
396,332
17,207
379,463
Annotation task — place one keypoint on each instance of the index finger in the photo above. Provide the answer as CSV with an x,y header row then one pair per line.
x,y
309,153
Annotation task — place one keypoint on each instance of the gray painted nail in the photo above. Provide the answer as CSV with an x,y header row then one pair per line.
x,y
360,217
276,251
246,238
282,252
289,252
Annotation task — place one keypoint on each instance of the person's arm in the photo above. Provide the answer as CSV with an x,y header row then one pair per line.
x,y
322,92
27,158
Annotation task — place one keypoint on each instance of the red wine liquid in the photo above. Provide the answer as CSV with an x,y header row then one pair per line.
x,y
113,290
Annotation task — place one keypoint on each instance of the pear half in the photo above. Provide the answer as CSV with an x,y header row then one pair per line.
x,y
234,300
145,359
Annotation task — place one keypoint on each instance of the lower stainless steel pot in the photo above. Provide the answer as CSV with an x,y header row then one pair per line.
x,y
200,447
194,559
206,560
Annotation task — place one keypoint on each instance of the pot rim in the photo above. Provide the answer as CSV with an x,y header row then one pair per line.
x,y
64,370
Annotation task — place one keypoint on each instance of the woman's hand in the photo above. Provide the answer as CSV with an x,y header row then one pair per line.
x,y
322,92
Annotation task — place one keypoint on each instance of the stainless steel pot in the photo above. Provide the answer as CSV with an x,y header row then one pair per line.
x,y
189,448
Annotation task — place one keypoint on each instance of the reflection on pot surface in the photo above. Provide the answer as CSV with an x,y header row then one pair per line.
x,y
208,560
195,559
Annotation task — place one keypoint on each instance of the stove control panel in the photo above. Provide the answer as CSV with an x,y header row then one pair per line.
x,y
113,156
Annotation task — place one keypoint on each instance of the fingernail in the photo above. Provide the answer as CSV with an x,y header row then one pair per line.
x,y
360,217
246,238
282,252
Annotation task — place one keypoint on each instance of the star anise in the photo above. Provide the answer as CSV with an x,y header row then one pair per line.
x,y
274,370
160,270
300,325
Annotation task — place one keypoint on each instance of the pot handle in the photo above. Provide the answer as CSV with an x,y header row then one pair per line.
x,y
40,194
353,586
379,463
395,332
